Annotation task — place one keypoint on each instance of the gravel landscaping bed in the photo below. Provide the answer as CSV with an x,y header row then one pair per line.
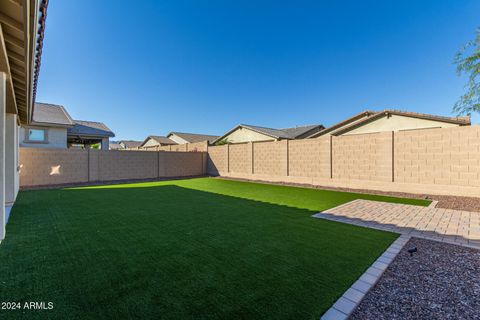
x,y
447,202
440,281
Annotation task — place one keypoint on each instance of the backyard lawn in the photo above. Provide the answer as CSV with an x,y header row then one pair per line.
x,y
186,249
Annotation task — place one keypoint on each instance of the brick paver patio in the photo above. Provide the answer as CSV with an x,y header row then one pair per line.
x,y
453,226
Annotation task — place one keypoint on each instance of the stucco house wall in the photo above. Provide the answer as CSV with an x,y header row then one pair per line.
x,y
399,123
246,135
151,143
56,138
177,139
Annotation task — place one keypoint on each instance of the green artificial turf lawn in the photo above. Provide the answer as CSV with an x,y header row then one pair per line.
x,y
185,249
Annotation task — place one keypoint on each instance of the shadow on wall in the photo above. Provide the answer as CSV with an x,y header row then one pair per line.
x,y
212,169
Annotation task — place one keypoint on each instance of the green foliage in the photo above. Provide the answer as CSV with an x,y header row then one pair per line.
x,y
222,142
468,63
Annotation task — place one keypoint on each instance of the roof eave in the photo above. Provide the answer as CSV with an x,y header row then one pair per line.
x,y
386,113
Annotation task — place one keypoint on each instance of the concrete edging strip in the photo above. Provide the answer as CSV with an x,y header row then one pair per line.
x,y
349,301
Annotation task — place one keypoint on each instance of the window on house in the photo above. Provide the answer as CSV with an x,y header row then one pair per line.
x,y
37,135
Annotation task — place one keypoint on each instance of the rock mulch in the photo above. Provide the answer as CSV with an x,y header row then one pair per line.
x,y
446,202
440,281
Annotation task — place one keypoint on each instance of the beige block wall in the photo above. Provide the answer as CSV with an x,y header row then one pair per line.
x,y
190,147
363,157
217,163
439,157
70,166
181,164
120,165
164,148
270,158
430,161
178,147
240,158
197,146
309,157
52,166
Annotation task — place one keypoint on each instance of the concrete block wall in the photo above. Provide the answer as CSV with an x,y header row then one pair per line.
x,y
439,157
181,164
240,158
363,157
121,165
39,167
218,160
190,147
270,158
197,146
52,166
309,158
430,161
179,147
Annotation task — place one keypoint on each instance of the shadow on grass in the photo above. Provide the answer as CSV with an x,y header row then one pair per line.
x,y
176,253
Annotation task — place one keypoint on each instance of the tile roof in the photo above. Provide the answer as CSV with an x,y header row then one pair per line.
x,y
368,115
114,146
285,133
90,128
160,140
462,121
131,143
296,132
358,117
53,114
194,137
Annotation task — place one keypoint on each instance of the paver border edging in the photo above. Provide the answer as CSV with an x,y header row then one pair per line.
x,y
351,298
433,204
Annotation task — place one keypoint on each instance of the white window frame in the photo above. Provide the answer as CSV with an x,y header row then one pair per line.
x,y
27,135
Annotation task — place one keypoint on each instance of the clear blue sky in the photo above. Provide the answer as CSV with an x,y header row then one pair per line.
x,y
151,67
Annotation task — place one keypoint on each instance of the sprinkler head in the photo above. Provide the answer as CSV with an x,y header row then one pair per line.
x,y
412,251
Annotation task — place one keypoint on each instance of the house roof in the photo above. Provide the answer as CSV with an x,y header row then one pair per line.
x,y
367,116
114,146
159,139
51,114
131,143
194,137
285,133
355,118
90,128
462,121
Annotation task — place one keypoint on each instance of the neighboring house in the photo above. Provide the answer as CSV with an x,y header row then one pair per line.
x,y
48,128
52,127
113,145
129,144
390,120
156,141
88,133
247,133
181,137
21,40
